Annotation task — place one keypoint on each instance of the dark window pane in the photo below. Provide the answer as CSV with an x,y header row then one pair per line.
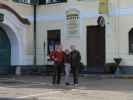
x,y
131,41
42,1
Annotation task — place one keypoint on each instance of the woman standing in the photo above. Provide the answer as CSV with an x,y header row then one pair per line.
x,y
67,63
58,57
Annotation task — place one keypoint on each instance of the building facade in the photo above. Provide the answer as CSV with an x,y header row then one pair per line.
x,y
100,29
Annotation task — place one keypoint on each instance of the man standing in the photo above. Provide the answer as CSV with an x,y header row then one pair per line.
x,y
75,64
58,57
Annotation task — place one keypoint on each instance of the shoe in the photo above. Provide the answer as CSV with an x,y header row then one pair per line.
x,y
67,84
75,85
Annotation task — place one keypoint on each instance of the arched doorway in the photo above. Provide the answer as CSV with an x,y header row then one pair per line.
x,y
5,52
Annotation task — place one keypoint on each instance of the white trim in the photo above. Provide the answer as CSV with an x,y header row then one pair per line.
x,y
15,30
15,49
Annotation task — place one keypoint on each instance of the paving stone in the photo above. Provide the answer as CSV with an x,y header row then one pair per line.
x,y
40,88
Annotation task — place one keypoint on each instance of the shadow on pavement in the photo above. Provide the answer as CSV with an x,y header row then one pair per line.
x,y
85,84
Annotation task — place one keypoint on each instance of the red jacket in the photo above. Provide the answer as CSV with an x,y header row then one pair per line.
x,y
57,56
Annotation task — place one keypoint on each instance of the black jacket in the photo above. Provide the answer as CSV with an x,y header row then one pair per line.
x,y
67,58
75,57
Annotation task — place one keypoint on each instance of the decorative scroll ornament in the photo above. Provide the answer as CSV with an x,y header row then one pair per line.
x,y
73,22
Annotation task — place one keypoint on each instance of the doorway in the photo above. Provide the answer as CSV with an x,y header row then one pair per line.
x,y
96,47
5,53
53,38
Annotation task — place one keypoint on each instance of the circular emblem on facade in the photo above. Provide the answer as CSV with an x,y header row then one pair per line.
x,y
101,21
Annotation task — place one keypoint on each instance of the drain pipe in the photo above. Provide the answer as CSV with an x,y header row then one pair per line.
x,y
34,34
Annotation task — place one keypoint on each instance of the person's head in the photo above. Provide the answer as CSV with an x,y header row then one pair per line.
x,y
58,47
73,47
67,51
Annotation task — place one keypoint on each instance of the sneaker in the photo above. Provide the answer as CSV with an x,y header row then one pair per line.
x,y
75,85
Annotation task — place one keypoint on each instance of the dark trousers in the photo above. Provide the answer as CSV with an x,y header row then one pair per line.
x,y
57,73
75,71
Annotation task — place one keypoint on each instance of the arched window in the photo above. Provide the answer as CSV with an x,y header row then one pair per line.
x,y
131,41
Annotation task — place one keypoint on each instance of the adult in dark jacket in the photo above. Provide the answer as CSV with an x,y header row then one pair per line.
x,y
75,64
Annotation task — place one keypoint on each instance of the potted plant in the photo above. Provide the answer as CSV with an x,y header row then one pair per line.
x,y
110,68
117,61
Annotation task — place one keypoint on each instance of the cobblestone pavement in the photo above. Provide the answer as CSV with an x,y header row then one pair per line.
x,y
90,88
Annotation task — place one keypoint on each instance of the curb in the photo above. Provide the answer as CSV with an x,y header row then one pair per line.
x,y
7,98
109,76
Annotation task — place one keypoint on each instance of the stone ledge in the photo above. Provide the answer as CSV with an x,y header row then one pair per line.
x,y
109,76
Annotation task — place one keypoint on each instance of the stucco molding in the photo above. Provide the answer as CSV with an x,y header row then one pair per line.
x,y
6,7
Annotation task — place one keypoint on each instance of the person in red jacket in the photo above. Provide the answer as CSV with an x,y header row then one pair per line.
x,y
58,57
